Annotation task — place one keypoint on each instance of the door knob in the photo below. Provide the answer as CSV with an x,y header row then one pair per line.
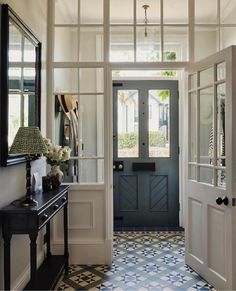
x,y
120,167
223,200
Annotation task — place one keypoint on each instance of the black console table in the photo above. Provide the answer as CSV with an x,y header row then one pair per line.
x,y
23,220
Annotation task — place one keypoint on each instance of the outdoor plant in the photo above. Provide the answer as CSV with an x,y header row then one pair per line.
x,y
157,138
129,140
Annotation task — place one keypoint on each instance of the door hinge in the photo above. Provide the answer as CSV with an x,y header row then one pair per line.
x,y
179,206
178,149
233,201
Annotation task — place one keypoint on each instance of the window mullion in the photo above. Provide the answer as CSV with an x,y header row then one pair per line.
x,y
162,31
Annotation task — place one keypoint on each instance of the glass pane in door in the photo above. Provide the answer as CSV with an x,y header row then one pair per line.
x,y
128,123
221,125
206,138
206,175
158,123
193,127
221,178
221,70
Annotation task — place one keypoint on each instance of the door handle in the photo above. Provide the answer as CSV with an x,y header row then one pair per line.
x,y
223,200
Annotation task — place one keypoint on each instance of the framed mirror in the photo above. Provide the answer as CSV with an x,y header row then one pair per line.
x,y
20,82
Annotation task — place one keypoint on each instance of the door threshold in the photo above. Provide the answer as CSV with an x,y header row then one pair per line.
x,y
143,228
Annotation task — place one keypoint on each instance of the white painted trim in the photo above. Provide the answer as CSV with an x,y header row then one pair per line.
x,y
92,215
109,156
86,251
146,78
79,241
191,36
120,65
108,251
87,158
86,187
22,280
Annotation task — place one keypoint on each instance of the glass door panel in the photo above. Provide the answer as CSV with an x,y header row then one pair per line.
x,y
206,141
158,123
221,125
221,70
221,178
206,175
128,123
192,127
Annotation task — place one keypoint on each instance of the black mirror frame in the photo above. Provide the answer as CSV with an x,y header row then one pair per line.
x,y
6,14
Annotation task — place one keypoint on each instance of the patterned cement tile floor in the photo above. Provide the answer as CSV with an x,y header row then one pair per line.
x,y
144,261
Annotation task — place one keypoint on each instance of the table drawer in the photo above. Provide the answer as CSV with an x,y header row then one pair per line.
x,y
51,210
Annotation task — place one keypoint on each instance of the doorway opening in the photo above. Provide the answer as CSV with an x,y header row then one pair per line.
x,y
146,149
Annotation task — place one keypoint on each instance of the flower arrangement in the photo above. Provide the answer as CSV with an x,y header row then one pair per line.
x,y
57,155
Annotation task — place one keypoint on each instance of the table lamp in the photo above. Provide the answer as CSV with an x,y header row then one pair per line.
x,y
28,141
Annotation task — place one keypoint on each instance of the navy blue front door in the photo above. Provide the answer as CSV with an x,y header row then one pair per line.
x,y
146,154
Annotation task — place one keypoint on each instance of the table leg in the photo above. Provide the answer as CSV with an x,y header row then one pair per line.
x,y
7,261
66,252
33,255
49,254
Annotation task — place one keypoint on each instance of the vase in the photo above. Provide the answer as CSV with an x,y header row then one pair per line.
x,y
56,176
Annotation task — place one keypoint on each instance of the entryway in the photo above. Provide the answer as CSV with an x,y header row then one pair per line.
x,y
145,154
147,261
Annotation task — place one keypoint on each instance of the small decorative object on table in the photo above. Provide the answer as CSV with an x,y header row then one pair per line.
x,y
46,183
57,157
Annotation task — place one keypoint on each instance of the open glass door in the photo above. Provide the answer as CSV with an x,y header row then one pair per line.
x,y
210,227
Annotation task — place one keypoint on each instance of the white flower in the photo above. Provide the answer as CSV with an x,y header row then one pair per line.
x,y
47,142
66,153
56,153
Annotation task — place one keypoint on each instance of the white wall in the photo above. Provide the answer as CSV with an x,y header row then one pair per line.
x,y
88,243
12,179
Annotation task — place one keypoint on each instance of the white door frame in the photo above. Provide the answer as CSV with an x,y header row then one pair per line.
x,y
182,88
198,250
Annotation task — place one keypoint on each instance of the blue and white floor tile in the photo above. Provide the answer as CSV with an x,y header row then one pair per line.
x,y
143,261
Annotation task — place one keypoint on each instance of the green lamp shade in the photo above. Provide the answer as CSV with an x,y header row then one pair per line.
x,y
28,140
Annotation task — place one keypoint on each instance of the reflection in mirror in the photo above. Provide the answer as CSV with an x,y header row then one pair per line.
x,y
19,82
15,43
29,51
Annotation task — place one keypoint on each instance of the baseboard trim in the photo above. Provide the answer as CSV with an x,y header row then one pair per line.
x,y
144,228
24,277
87,252
78,242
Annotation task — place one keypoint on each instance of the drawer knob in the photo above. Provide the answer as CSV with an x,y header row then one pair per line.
x,y
44,217
56,206
63,199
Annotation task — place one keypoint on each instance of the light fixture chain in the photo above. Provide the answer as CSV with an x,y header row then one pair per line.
x,y
145,7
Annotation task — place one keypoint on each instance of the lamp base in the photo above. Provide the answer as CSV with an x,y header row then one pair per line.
x,y
28,202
